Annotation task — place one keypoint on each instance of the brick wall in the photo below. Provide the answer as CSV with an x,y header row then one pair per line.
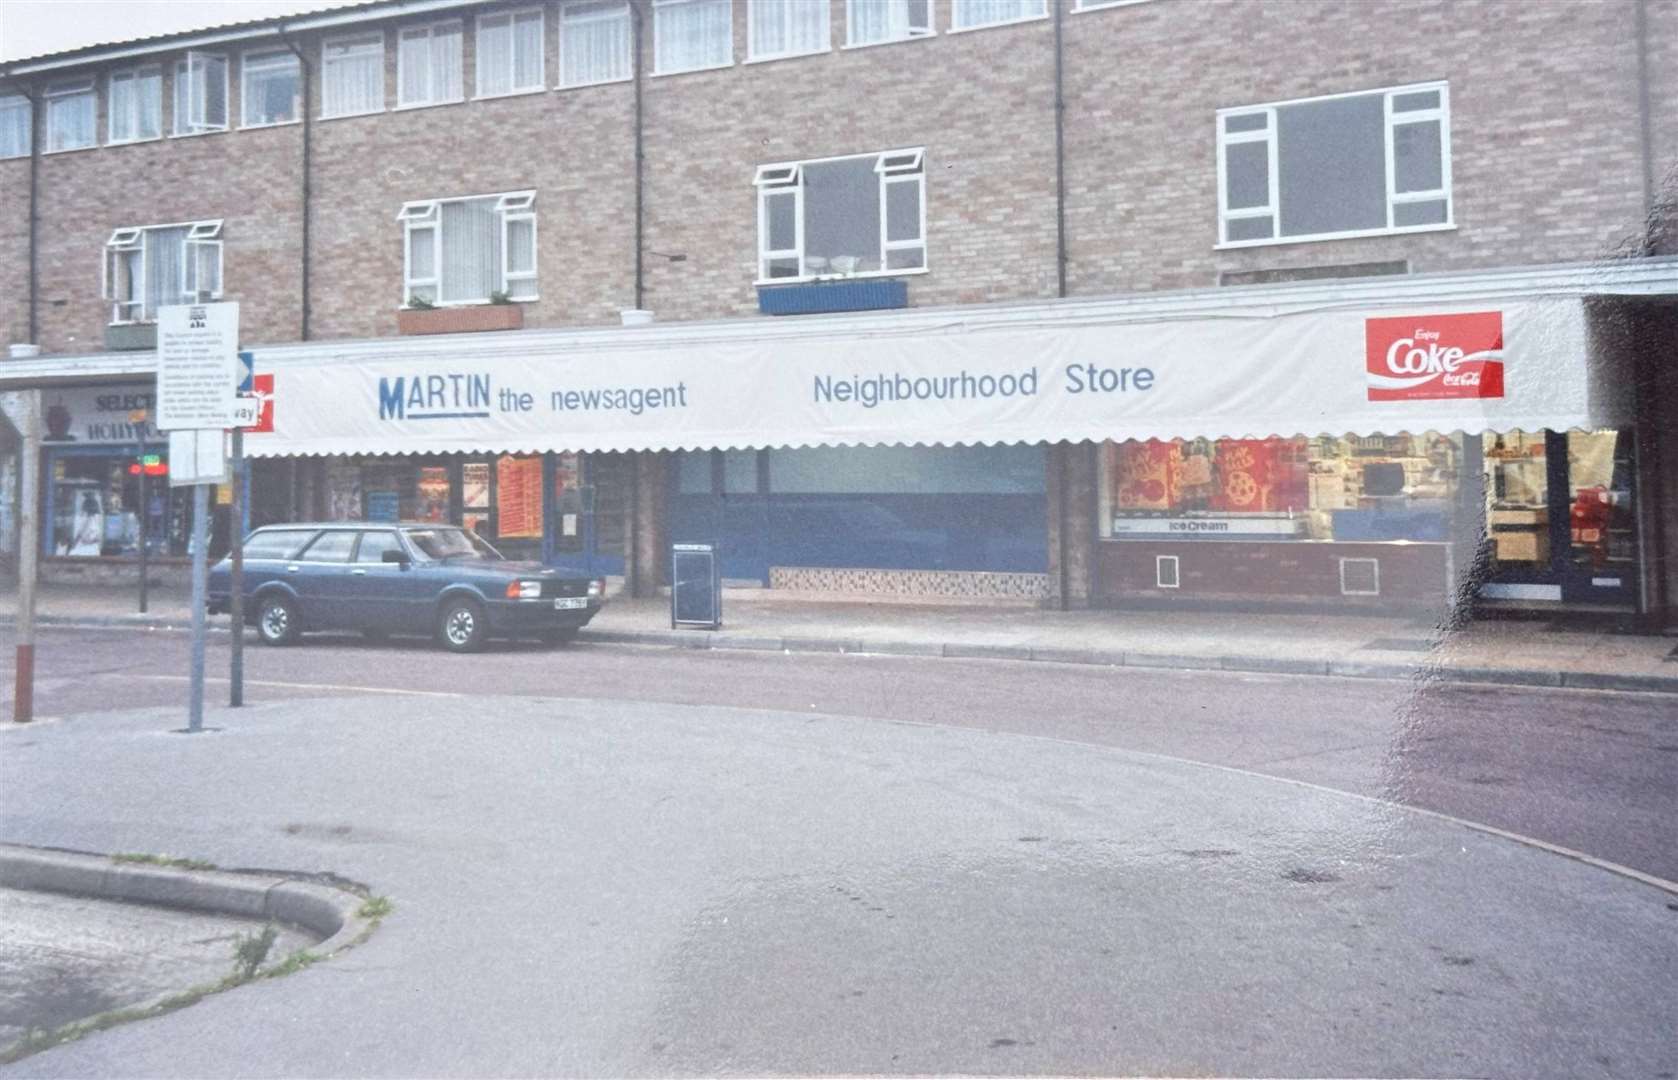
x,y
14,251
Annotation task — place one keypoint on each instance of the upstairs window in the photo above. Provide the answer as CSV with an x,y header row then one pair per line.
x,y
787,28
352,76
149,267
510,53
842,217
691,35
200,94
15,126
972,14
272,89
871,22
428,65
466,251
134,104
594,42
1348,165
70,112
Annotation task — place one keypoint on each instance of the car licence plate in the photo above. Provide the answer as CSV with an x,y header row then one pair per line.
x,y
570,603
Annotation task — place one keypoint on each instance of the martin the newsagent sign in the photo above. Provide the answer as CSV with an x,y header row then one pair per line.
x,y
1518,365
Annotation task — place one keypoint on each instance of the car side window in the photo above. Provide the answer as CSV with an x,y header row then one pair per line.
x,y
276,543
331,546
375,544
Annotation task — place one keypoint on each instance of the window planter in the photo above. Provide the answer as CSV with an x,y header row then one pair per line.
x,y
129,337
819,297
459,320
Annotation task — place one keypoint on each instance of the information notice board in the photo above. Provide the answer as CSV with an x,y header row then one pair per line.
x,y
197,366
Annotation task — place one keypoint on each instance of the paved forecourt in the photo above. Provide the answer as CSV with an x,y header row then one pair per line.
x,y
593,887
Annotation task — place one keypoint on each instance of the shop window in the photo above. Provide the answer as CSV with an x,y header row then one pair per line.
x,y
1354,489
594,42
200,94
134,103
842,217
778,28
972,14
428,65
70,115
352,76
874,22
95,506
510,59
271,92
147,268
692,35
1347,165
469,250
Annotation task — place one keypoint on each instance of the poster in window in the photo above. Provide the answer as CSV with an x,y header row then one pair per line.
x,y
518,499
343,485
1146,478
474,485
433,493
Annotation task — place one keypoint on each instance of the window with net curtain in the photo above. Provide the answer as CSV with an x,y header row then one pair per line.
x,y
869,22
787,28
150,267
428,64
70,115
594,42
352,76
464,251
971,13
272,90
200,94
509,56
692,34
135,104
14,126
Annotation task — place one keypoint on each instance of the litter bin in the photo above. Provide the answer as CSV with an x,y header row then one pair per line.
x,y
695,587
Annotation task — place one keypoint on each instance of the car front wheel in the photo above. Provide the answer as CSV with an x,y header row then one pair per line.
x,y
276,620
461,626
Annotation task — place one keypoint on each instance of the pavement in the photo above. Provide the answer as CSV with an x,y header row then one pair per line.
x,y
1578,652
599,887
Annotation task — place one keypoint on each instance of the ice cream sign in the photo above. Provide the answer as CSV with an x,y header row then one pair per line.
x,y
1431,357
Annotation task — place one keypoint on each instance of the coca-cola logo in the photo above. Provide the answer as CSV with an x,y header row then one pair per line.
x,y
1428,357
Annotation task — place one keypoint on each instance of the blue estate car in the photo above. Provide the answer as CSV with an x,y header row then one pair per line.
x,y
399,579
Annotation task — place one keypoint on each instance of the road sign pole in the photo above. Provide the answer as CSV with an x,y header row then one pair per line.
x,y
28,547
200,582
236,531
145,512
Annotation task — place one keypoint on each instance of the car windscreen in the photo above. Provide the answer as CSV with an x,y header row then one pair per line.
x,y
441,544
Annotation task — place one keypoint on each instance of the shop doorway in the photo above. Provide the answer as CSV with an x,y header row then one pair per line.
x,y
587,527
1560,521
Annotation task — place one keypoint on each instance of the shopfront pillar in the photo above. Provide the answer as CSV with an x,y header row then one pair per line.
x,y
1656,430
648,534
1072,499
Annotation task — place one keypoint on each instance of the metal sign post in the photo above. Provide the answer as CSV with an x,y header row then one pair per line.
x,y
138,419
29,541
197,381
240,513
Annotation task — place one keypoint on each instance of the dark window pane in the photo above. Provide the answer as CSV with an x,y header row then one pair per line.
x,y
903,211
1252,228
1418,164
1246,122
842,211
1247,172
906,259
1332,165
781,210
1421,99
1419,213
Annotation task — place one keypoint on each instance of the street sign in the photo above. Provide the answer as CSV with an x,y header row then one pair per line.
x,y
247,371
197,366
197,457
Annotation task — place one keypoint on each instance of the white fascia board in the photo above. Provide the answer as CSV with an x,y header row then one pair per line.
x,y
271,29
1629,277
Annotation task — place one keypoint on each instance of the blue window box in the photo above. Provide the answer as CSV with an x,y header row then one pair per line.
x,y
818,297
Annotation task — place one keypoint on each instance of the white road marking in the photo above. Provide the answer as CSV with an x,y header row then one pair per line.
x,y
313,686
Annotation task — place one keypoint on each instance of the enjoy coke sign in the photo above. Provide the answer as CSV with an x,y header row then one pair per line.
x,y
1426,357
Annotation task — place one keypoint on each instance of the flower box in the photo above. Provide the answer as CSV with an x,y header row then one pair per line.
x,y
820,297
459,320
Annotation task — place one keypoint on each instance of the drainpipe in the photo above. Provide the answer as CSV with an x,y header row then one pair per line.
x,y
1060,456
306,83
640,157
1643,121
34,203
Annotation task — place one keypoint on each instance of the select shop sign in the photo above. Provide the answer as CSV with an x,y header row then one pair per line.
x,y
1524,364
100,415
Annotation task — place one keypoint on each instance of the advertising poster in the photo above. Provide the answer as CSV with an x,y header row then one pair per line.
x,y
519,497
474,485
343,483
433,494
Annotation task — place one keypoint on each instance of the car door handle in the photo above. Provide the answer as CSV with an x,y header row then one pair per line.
x,y
359,573
293,568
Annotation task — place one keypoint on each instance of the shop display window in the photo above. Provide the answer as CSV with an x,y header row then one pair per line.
x,y
94,506
1398,487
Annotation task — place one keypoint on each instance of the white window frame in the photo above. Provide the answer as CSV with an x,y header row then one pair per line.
x,y
245,85
512,17
1441,114
67,89
358,45
754,6
429,30
904,165
423,214
180,128
200,235
20,103
621,11
916,33
664,5
1097,5
958,6
133,74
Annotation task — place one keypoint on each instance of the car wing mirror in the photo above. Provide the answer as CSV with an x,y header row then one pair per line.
x,y
398,557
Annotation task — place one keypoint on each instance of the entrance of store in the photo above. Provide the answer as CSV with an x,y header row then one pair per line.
x,y
1560,523
586,534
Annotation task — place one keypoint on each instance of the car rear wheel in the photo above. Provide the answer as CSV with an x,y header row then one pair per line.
x,y
461,626
277,622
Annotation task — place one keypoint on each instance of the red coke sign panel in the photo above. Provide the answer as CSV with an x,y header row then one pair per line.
x,y
1428,357
262,388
